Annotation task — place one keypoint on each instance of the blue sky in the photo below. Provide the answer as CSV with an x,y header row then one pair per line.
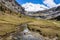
x,y
35,1
36,5
57,1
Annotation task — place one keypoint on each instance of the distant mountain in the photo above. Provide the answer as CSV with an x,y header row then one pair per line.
x,y
34,7
12,5
46,14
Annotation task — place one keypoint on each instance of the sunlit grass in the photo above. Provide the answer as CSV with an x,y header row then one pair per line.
x,y
8,23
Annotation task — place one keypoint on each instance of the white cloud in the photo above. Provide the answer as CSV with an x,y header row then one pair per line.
x,y
58,4
39,7
50,3
34,7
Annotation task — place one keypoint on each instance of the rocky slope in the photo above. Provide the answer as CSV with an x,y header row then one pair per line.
x,y
16,26
46,14
12,5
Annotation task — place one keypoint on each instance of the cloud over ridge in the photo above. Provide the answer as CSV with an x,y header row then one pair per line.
x,y
38,7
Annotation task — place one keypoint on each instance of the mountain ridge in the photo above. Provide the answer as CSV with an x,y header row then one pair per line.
x,y
45,14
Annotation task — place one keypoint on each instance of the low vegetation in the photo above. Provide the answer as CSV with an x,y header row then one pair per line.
x,y
9,22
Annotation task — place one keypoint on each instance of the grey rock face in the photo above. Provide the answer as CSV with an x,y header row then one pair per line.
x,y
12,5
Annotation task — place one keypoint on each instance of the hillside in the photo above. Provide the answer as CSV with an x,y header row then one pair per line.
x,y
13,23
51,13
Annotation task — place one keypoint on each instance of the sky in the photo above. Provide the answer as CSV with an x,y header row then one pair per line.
x,y
38,5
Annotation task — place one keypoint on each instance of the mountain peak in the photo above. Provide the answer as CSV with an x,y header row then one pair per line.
x,y
34,7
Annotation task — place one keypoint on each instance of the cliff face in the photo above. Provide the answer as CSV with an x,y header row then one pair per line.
x,y
12,5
